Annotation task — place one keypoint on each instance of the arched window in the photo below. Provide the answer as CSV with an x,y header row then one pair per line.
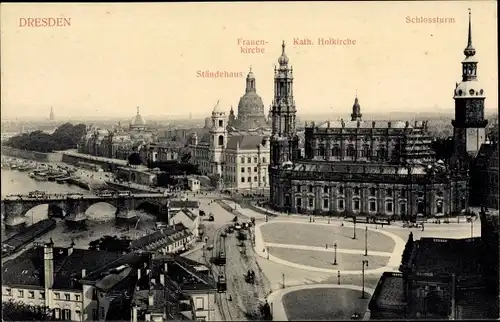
x,y
221,140
439,206
321,151
366,151
381,153
356,190
336,151
351,152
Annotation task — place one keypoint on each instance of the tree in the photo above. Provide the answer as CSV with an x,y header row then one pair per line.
x,y
19,311
111,244
64,137
135,159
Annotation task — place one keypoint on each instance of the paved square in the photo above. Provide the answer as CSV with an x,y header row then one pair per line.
x,y
311,234
324,304
325,259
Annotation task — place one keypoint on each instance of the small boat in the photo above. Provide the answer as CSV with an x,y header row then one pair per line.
x,y
41,176
31,175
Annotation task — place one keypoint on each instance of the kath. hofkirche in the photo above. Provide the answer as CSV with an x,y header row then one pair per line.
x,y
372,168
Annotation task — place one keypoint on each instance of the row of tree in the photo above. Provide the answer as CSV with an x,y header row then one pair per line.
x,y
64,137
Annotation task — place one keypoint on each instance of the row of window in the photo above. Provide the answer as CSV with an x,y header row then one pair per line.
x,y
372,205
249,169
357,191
356,205
255,179
249,160
41,295
351,152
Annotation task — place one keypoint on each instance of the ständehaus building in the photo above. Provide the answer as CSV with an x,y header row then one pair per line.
x,y
359,167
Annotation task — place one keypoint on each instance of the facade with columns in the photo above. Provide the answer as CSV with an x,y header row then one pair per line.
x,y
357,167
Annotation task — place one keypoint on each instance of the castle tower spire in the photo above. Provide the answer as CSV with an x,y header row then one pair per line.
x,y
356,109
51,116
469,123
469,51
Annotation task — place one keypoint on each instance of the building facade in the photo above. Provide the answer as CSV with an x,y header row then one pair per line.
x,y
237,160
117,143
357,167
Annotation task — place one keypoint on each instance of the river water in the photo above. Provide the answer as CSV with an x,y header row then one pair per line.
x,y
101,216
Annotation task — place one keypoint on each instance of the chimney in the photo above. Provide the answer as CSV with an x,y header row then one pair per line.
x,y
166,267
48,264
150,299
70,248
134,314
162,279
138,274
84,273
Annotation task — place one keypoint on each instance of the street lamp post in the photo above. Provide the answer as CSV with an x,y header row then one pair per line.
x,y
471,227
363,263
338,277
283,275
354,229
335,254
366,241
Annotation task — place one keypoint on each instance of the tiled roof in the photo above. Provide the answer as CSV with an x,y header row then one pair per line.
x,y
191,215
245,142
28,268
183,204
169,234
440,255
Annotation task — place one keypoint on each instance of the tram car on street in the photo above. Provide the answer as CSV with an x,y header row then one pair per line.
x,y
221,283
221,258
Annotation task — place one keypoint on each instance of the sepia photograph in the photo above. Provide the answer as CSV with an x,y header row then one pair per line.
x,y
249,161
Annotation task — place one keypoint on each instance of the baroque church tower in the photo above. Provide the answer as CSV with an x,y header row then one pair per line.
x,y
356,110
218,139
284,139
469,125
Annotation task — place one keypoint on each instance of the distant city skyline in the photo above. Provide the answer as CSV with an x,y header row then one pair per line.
x,y
115,57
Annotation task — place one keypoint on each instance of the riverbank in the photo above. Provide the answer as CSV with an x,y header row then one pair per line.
x,y
31,155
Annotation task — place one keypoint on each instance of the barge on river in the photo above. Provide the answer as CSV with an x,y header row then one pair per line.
x,y
19,240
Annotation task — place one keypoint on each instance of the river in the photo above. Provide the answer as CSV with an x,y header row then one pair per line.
x,y
100,216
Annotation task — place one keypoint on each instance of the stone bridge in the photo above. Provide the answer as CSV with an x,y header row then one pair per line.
x,y
15,207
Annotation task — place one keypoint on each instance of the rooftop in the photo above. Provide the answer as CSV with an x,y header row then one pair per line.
x,y
183,204
440,255
28,268
389,293
245,142
169,234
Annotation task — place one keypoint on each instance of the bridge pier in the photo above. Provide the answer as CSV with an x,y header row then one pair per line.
x,y
76,217
14,215
125,211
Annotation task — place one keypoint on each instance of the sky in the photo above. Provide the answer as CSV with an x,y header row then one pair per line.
x,y
115,57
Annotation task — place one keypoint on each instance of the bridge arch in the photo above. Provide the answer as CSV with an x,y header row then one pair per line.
x,y
101,210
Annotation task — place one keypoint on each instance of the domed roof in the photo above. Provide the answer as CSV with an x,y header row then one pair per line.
x,y
469,89
250,104
216,108
138,120
283,60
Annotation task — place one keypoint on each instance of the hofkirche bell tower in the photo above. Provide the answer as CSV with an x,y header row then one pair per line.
x,y
469,125
284,140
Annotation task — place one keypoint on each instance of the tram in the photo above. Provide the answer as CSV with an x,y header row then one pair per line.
x,y
221,283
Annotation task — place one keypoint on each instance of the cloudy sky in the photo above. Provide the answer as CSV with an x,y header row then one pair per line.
x,y
115,57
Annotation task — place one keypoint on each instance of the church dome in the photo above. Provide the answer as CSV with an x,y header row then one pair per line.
x,y
250,104
138,120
